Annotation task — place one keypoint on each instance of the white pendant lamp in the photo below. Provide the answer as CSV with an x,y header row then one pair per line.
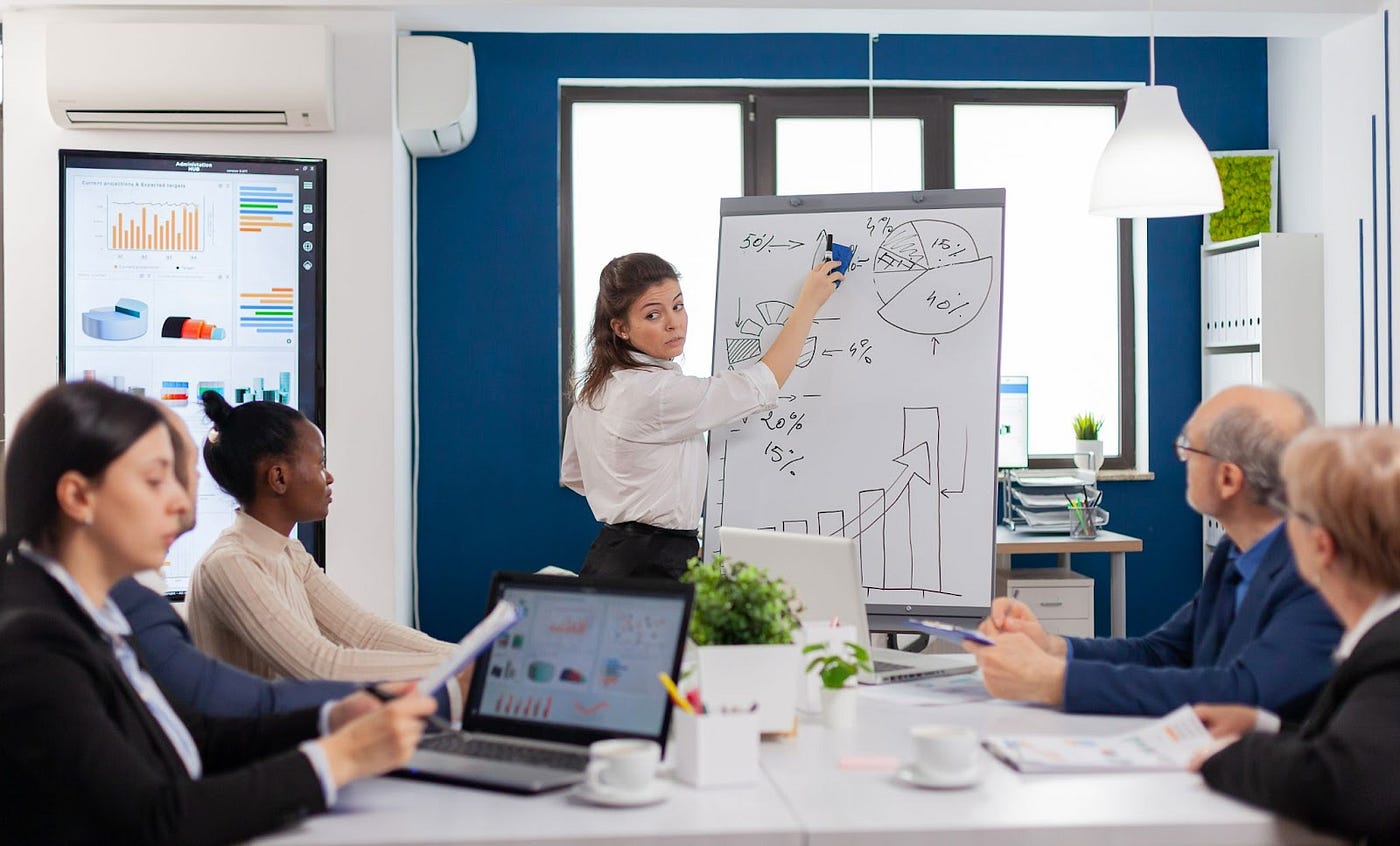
x,y
1155,165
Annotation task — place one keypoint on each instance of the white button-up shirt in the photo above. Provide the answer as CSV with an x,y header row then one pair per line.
x,y
639,455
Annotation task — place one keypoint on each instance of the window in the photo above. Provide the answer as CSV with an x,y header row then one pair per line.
x,y
694,146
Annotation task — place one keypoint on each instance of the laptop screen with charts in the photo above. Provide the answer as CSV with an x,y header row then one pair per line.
x,y
825,573
580,666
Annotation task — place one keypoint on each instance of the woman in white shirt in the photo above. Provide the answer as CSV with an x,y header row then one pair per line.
x,y
634,444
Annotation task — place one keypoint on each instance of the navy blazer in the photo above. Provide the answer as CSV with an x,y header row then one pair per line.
x,y
206,684
1277,652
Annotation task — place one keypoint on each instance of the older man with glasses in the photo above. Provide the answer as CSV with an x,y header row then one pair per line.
x,y
1253,633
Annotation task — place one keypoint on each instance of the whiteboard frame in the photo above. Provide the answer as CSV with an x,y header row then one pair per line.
x,y
886,617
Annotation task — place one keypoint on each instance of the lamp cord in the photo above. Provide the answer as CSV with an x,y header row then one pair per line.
x,y
1151,42
870,89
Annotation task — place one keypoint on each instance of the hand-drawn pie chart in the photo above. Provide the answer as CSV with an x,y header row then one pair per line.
x,y
930,278
757,335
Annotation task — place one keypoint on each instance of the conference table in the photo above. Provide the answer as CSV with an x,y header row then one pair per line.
x,y
804,797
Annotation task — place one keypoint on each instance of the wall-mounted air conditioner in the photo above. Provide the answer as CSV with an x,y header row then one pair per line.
x,y
185,76
437,94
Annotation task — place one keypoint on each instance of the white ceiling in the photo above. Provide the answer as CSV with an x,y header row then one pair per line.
x,y
1283,18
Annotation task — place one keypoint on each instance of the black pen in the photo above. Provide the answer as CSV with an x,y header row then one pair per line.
x,y
433,719
828,247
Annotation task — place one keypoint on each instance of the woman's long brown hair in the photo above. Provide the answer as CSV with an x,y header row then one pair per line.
x,y
622,281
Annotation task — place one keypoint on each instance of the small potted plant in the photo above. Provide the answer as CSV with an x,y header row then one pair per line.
x,y
1088,449
742,623
837,666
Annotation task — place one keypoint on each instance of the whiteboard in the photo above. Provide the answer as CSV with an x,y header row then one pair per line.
x,y
886,431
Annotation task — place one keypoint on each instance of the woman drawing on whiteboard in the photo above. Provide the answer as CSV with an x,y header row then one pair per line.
x,y
634,444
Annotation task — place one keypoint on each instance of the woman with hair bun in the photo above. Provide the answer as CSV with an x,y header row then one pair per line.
x,y
91,750
257,599
634,444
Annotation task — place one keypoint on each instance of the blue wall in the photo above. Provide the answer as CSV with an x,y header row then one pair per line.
x,y
488,254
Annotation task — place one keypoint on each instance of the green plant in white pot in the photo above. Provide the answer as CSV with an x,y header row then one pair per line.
x,y
1088,448
742,621
837,666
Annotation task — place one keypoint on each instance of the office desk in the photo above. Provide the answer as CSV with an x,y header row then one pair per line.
x,y
1117,546
390,812
803,798
1143,809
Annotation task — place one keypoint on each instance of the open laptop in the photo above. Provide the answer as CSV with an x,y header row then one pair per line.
x,y
825,572
581,665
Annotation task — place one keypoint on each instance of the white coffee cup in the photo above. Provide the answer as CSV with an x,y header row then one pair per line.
x,y
626,765
948,753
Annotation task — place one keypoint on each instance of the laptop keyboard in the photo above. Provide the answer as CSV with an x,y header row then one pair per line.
x,y
495,750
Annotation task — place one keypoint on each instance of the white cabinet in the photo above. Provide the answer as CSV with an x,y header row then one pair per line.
x,y
1261,319
1062,600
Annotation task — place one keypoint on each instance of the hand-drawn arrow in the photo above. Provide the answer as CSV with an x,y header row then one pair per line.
x,y
788,397
962,486
916,464
934,339
739,321
790,245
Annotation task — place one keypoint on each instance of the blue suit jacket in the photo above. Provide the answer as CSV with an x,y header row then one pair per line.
x,y
1277,652
205,684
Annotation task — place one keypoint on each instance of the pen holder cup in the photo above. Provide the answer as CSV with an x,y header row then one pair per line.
x,y
1084,528
715,750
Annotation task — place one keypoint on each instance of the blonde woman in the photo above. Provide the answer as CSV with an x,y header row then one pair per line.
x,y
1338,770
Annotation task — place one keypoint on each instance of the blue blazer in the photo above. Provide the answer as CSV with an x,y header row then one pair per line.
x,y
205,684
1276,653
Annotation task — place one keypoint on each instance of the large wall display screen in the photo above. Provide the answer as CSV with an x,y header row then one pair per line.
x,y
184,274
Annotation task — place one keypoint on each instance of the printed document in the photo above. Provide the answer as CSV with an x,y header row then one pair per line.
x,y
1166,744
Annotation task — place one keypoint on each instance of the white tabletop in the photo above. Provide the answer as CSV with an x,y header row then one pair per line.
x,y
389,811
850,806
805,798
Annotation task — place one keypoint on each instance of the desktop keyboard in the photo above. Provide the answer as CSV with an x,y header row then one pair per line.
x,y
495,750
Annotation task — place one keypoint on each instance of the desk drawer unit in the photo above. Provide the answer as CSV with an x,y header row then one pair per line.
x,y
1062,599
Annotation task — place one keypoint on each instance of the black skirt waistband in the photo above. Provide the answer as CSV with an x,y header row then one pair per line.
x,y
648,529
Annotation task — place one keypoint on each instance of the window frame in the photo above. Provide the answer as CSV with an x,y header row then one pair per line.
x,y
934,106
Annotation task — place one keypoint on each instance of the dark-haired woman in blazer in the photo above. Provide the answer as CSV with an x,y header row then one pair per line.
x,y
91,750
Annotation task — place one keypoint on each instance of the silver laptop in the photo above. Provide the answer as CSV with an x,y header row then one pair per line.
x,y
581,665
825,572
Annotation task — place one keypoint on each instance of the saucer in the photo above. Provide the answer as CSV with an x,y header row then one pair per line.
x,y
597,794
912,774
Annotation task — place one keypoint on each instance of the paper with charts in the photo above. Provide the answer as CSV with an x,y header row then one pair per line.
x,y
1164,744
886,431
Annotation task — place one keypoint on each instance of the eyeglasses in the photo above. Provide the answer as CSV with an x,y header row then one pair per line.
x,y
1183,446
1279,503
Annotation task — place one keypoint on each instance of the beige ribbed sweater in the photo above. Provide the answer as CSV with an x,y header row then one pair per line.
x,y
257,600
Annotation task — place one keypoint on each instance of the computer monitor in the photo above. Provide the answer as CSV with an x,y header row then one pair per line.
x,y
1013,423
180,274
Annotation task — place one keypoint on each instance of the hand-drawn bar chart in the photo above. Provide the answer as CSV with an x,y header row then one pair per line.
x,y
154,226
263,207
267,312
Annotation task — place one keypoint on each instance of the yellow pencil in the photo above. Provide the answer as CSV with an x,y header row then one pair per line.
x,y
675,694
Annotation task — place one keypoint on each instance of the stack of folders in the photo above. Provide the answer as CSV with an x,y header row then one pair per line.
x,y
1231,304
1051,501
